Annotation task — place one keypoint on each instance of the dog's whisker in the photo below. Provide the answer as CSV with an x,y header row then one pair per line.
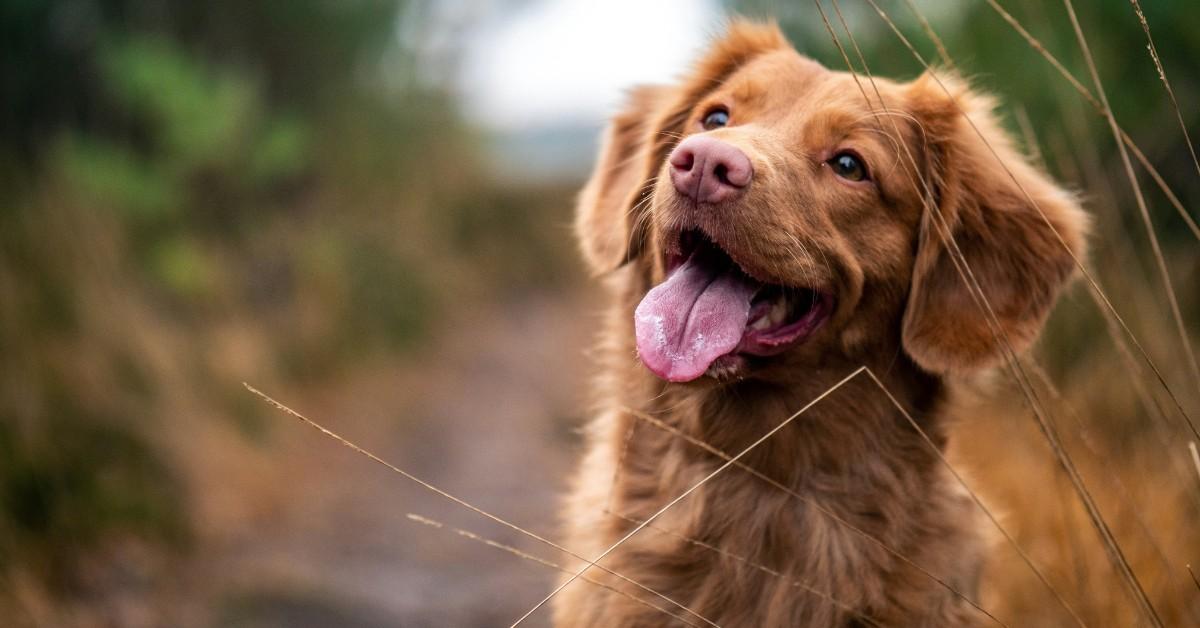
x,y
805,265
689,491
641,217
460,502
540,561
824,260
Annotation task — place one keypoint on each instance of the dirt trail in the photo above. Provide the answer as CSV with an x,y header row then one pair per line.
x,y
489,417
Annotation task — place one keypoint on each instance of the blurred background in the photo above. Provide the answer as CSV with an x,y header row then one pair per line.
x,y
363,208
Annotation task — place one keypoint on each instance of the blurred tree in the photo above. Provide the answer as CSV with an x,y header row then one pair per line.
x,y
303,53
177,163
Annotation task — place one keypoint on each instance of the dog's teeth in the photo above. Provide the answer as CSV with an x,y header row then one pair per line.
x,y
778,311
773,317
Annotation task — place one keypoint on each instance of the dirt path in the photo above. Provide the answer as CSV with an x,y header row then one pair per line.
x,y
488,417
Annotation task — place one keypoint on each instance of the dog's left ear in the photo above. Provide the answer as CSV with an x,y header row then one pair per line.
x,y
610,215
605,221
998,218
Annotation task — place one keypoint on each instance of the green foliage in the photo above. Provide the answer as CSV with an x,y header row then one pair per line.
x,y
76,482
176,155
388,297
170,171
111,176
179,263
198,116
207,130
282,151
201,117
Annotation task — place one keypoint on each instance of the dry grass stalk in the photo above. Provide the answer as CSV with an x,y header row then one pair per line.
x,y
1162,75
683,495
642,416
1143,210
460,502
1087,95
1047,429
540,561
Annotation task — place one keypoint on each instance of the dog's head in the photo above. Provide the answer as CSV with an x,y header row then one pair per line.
x,y
781,211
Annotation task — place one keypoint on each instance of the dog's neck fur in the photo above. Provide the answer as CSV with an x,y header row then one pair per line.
x,y
831,437
852,456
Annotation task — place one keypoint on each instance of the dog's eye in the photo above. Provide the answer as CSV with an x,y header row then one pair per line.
x,y
848,166
715,119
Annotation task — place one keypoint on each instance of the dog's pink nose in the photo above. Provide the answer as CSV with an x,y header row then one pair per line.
x,y
708,170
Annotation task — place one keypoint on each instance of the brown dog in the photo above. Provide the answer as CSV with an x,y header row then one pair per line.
x,y
767,227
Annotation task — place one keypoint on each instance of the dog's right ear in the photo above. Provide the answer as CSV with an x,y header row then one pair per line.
x,y
1018,232
604,220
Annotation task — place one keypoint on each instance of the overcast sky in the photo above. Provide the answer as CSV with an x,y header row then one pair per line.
x,y
555,62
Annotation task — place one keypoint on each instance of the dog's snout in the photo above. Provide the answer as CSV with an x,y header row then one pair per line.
x,y
708,170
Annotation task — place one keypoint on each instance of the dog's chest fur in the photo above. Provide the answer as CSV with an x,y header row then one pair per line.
x,y
845,511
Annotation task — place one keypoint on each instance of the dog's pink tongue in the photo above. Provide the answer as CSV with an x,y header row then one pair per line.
x,y
694,317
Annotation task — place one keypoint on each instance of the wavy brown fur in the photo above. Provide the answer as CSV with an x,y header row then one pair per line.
x,y
902,310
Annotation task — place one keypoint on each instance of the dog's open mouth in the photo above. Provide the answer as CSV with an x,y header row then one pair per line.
x,y
708,310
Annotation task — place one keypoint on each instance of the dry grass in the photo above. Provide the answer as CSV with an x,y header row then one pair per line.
x,y
1090,472
1116,460
1125,547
